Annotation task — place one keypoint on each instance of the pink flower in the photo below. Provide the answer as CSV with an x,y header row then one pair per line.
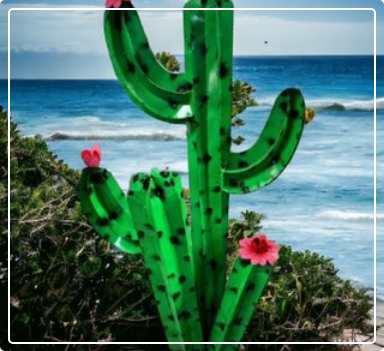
x,y
114,3
92,157
259,250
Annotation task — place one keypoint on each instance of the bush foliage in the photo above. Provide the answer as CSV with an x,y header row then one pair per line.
x,y
68,285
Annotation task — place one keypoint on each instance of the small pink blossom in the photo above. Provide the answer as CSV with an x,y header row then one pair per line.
x,y
259,250
115,3
92,157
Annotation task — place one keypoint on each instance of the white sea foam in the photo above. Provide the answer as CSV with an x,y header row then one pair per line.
x,y
337,105
95,128
346,215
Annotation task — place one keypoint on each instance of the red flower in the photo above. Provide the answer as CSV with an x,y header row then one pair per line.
x,y
259,250
92,157
114,3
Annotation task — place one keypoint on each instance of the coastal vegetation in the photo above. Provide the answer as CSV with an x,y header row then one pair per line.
x,y
68,285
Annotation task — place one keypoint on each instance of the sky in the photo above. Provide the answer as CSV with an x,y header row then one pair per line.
x,y
70,44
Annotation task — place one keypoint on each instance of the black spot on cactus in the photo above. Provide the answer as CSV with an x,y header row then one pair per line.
x,y
251,286
145,45
113,216
204,2
192,289
175,296
173,103
233,182
181,231
172,182
164,174
130,67
175,174
175,240
234,270
228,139
196,80
149,226
271,141
221,325
157,302
201,192
131,193
203,98
135,242
187,259
195,144
203,49
223,71
173,76
219,3
234,290
161,288
217,189
207,157
97,178
149,271
209,211
244,263
184,87
222,131
245,189
274,159
218,220
213,264
145,183
284,106
182,279
102,221
167,184
159,234
140,234
156,258
294,114
197,204
135,178
243,164
171,317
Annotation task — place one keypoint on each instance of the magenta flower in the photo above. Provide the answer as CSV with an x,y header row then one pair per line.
x,y
114,3
92,157
259,250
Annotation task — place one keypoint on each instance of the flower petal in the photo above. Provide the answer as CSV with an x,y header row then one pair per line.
x,y
109,3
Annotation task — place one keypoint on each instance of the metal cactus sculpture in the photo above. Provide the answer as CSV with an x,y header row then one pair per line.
x,y
187,263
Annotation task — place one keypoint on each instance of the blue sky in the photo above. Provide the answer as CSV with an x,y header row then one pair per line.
x,y
63,44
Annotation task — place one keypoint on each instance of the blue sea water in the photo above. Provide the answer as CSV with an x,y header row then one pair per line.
x,y
324,201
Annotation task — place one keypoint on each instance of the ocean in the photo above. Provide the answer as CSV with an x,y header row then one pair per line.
x,y
324,200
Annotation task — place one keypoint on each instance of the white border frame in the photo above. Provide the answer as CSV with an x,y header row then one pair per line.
x,y
186,343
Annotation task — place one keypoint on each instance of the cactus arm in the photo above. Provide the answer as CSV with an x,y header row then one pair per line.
x,y
166,210
137,200
106,209
164,253
132,27
268,157
245,286
166,106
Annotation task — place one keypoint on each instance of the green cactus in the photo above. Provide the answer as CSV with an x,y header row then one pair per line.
x,y
187,264
201,98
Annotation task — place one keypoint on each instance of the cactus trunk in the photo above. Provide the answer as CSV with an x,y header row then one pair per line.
x,y
208,141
